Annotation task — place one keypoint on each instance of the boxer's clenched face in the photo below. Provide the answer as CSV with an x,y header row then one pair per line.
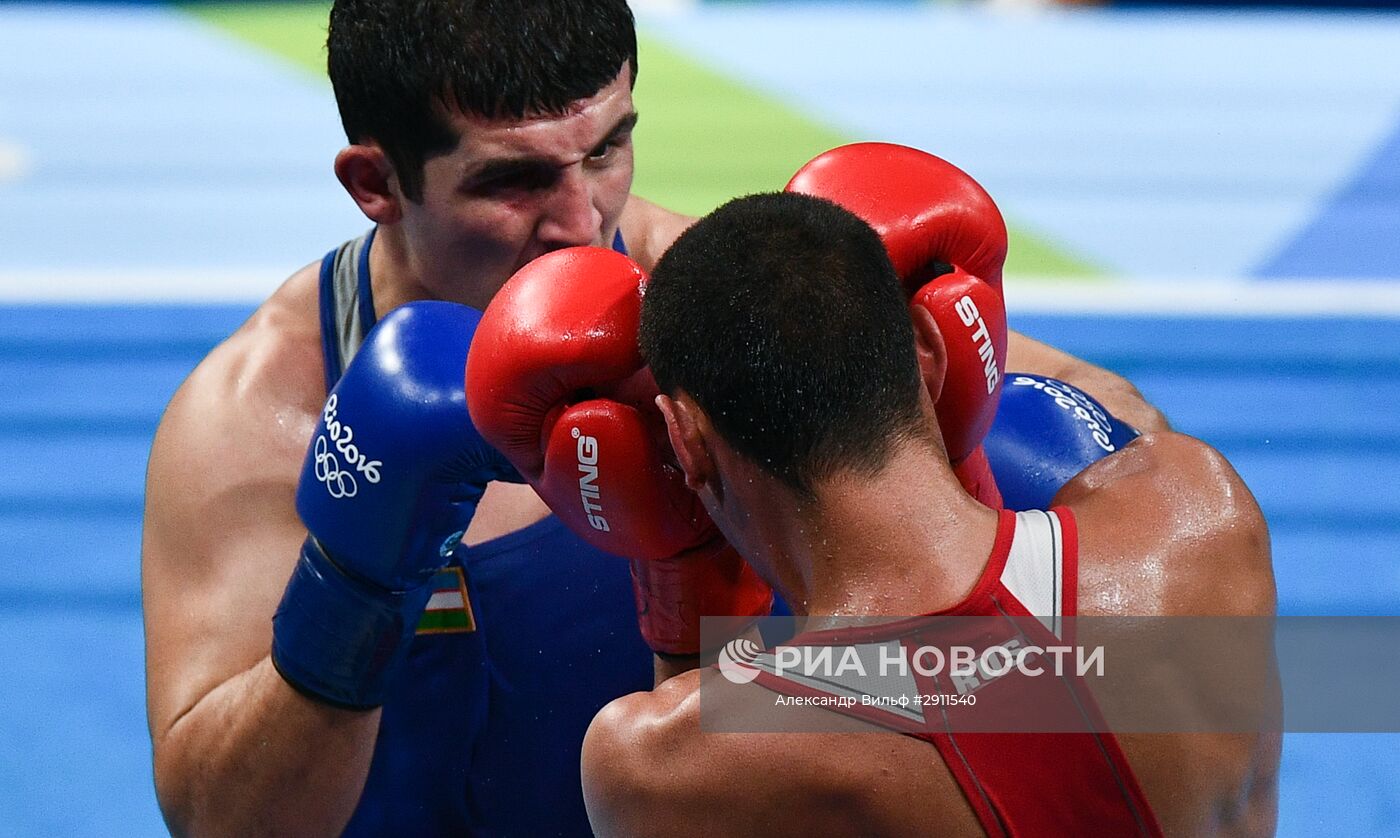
x,y
515,189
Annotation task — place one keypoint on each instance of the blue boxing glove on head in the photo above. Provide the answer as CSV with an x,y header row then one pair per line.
x,y
1046,432
391,479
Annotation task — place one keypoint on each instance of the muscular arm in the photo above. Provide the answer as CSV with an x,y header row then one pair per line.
x,y
1198,543
1025,354
237,750
1168,528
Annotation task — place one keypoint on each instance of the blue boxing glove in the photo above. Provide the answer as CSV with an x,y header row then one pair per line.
x,y
1046,432
392,477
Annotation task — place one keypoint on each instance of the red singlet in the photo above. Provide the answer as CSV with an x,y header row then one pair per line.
x,y
1031,784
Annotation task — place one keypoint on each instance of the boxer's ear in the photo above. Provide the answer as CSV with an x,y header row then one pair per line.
x,y
367,174
683,420
932,354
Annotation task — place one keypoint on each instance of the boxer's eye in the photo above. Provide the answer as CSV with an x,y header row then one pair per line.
x,y
621,137
495,182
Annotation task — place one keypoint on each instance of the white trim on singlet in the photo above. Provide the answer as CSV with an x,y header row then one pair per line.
x,y
1035,566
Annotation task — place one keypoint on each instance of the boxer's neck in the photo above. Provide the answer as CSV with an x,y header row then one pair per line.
x,y
391,271
908,541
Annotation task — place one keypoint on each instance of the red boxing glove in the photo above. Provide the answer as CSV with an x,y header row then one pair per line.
x,y
972,319
555,381
932,216
925,209
673,594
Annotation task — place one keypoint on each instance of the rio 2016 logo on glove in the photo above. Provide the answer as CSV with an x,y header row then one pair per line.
x,y
588,490
340,482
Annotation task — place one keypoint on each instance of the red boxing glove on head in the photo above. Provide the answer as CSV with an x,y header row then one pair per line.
x,y
556,383
933,217
925,209
972,319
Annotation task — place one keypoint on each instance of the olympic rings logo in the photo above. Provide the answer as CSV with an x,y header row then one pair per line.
x,y
339,482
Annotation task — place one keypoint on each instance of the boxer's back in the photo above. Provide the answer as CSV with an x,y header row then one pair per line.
x,y
1165,528
1031,783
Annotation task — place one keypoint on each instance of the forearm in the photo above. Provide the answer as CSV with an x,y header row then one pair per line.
x,y
254,756
1025,354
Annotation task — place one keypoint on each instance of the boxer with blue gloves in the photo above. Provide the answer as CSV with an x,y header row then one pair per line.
x,y
480,134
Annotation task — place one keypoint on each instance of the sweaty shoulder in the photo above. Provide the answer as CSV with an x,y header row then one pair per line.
x,y
1166,527
268,373
649,230
236,429
650,765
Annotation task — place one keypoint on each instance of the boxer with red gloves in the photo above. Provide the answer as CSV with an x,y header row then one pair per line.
x,y
557,383
798,403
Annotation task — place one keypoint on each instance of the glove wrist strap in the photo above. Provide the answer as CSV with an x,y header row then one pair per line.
x,y
673,594
338,639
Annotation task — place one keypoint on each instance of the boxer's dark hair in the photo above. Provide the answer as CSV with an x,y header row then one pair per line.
x,y
783,317
399,66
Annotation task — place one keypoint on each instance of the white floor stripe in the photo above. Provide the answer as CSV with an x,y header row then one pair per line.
x,y
163,285
1163,296
1167,297
643,7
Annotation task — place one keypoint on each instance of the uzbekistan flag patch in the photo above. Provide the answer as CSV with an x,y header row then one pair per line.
x,y
449,610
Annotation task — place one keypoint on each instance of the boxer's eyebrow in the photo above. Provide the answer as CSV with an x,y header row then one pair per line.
x,y
624,126
536,172
520,171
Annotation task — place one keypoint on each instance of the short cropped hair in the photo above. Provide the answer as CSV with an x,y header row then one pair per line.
x,y
781,315
399,66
